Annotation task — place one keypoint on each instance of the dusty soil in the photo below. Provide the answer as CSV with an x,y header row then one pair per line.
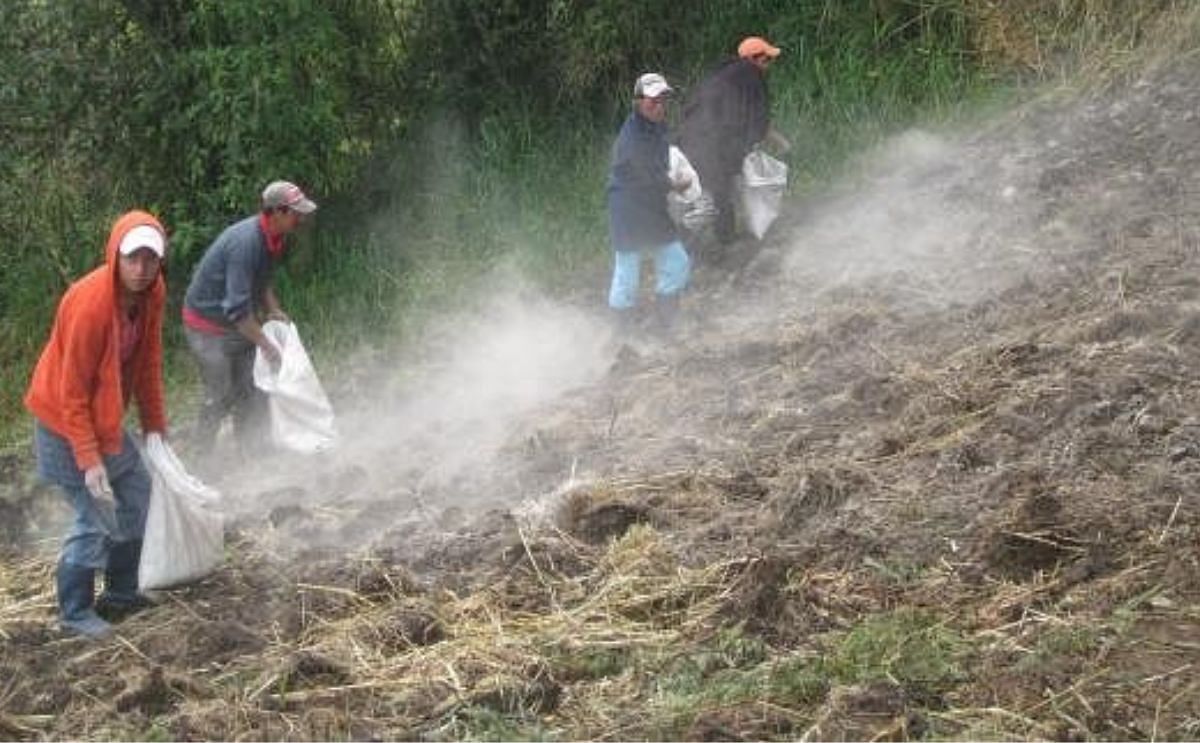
x,y
961,390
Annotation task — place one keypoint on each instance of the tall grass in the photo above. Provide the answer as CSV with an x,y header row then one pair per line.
x,y
54,232
518,199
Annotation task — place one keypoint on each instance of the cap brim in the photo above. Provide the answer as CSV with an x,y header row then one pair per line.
x,y
304,206
143,236
135,247
657,91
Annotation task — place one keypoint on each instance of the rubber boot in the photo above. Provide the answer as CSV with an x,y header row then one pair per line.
x,y
624,324
121,597
76,597
666,314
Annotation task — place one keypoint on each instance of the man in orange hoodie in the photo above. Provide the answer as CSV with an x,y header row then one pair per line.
x,y
105,349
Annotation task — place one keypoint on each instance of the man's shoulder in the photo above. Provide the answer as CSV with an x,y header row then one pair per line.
x,y
86,295
95,281
743,71
722,69
245,225
242,232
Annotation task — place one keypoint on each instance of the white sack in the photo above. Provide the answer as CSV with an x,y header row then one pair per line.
x,y
678,168
764,180
185,528
301,417
690,207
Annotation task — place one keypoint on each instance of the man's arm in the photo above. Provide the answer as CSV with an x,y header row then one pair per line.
x,y
239,305
272,306
776,141
248,326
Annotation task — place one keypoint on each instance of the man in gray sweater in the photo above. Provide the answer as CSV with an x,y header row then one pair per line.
x,y
230,295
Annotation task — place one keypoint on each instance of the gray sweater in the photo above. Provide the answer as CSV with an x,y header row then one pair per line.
x,y
229,281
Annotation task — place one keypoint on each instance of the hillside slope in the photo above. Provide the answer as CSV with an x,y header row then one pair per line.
x,y
928,465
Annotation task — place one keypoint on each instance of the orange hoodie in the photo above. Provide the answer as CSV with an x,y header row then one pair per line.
x,y
76,386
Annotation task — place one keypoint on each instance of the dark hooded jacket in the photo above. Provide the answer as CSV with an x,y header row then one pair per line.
x,y
724,117
638,185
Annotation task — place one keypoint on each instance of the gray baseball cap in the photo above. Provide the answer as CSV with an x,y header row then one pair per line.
x,y
287,194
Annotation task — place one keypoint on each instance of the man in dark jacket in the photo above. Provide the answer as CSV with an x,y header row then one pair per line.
x,y
639,222
230,294
725,116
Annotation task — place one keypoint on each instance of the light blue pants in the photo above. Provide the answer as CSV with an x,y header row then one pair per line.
x,y
672,266
95,528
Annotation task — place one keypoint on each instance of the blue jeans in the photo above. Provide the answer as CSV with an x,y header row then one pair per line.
x,y
95,528
671,269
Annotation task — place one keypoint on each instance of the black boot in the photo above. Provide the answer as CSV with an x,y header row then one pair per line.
x,y
624,323
666,314
76,596
121,597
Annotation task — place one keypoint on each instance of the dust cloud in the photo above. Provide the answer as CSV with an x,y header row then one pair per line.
x,y
422,440
950,217
486,371
927,221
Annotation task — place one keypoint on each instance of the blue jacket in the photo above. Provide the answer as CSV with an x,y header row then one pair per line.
x,y
638,186
228,283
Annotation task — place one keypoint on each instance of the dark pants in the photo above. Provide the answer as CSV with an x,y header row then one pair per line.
x,y
718,171
226,365
722,193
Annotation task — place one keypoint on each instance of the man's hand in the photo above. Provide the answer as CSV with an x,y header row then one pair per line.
x,y
778,142
250,329
96,480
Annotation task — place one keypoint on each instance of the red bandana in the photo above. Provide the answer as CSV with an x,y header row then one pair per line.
x,y
275,243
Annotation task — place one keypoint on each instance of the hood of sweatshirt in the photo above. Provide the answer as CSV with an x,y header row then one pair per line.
x,y
124,224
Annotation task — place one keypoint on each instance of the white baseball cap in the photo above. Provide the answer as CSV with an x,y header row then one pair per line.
x,y
143,236
651,85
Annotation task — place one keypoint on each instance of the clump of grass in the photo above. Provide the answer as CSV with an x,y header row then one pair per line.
x,y
485,724
1071,640
908,646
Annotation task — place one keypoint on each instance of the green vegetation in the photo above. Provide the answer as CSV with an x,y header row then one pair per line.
x,y
732,670
443,138
908,647
482,723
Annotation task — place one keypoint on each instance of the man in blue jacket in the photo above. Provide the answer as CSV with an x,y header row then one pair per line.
x,y
639,222
231,293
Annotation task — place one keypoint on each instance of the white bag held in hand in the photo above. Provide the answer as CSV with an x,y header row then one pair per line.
x,y
679,168
185,528
301,417
690,207
764,180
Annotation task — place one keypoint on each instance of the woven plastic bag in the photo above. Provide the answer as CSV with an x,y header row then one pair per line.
x,y
301,416
185,526
764,179
691,208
